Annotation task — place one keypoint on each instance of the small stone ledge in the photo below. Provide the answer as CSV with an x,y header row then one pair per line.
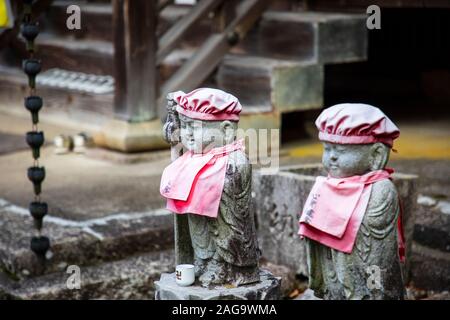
x,y
267,289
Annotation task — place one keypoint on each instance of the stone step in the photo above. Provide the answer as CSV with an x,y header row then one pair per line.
x,y
431,249
265,84
322,37
86,242
432,227
130,278
430,268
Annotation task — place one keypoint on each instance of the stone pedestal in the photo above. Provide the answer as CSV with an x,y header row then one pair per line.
x,y
277,211
267,289
131,136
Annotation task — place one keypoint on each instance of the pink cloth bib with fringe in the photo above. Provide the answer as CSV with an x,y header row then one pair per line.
x,y
335,208
193,183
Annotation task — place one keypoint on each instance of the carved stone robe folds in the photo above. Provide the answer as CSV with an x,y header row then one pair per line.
x,y
372,270
226,246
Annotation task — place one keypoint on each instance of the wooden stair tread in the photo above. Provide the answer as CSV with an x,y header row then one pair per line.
x,y
309,16
100,46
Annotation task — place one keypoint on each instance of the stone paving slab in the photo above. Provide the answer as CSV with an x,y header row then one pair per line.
x,y
79,242
432,228
12,142
430,268
131,278
79,188
99,210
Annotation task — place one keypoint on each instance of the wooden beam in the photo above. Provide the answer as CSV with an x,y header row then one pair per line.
x,y
134,34
162,4
204,61
208,57
224,14
247,14
172,37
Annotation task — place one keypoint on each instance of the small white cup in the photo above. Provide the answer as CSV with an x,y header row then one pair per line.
x,y
185,274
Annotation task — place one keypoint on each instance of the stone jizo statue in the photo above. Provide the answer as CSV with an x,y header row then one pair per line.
x,y
351,219
209,188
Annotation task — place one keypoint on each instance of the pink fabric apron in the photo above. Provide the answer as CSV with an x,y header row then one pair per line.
x,y
335,208
194,182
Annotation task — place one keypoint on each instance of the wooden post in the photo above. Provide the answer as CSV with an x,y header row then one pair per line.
x,y
135,45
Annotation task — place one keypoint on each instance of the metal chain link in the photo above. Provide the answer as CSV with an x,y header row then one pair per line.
x,y
38,209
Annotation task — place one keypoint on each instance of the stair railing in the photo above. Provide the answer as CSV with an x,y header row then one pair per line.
x,y
233,20
138,51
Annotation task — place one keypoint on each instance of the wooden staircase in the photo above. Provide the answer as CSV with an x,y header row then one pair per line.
x,y
275,67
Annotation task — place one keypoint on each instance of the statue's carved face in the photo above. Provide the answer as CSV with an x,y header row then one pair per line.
x,y
201,136
346,160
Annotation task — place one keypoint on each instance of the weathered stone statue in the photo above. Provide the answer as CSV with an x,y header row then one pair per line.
x,y
351,218
209,188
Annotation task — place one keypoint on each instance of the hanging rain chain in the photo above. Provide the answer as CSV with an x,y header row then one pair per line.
x,y
35,139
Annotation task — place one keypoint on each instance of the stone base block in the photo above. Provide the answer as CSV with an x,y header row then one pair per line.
x,y
265,84
131,136
267,289
324,37
281,196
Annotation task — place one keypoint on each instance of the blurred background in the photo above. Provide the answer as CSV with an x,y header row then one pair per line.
x,y
107,67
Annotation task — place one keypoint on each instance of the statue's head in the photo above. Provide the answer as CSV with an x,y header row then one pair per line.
x,y
345,160
200,136
357,139
208,118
